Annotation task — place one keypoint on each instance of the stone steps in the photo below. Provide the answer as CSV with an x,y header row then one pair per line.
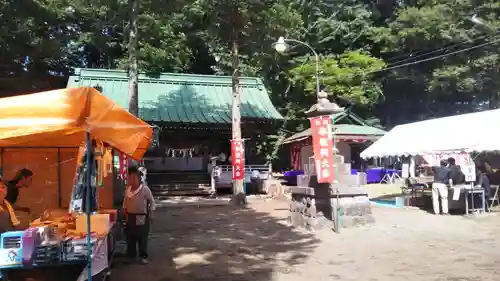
x,y
165,177
162,192
165,184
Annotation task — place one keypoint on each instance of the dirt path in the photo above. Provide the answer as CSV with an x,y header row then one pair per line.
x,y
224,243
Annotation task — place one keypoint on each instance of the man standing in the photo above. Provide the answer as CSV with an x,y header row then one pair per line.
x,y
23,179
138,206
456,174
440,188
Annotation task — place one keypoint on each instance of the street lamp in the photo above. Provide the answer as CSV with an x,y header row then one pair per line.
x,y
480,22
475,19
281,47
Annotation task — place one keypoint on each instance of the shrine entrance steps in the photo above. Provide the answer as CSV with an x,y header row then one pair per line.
x,y
166,184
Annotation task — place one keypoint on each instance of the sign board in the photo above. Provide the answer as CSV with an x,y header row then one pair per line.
x,y
469,172
461,159
322,139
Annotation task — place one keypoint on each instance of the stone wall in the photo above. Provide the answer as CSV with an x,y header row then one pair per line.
x,y
354,211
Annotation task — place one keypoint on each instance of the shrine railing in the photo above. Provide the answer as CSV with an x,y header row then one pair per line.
x,y
222,175
248,168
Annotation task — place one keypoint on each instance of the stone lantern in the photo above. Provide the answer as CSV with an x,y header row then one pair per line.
x,y
319,204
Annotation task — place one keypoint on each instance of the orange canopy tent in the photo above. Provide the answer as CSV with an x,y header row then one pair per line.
x,y
61,118
66,118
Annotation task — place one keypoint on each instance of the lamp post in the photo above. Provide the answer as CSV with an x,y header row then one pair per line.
x,y
281,46
323,105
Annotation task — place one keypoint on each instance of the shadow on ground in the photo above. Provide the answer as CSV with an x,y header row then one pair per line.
x,y
219,243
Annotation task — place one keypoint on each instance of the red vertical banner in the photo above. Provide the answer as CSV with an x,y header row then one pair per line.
x,y
322,140
238,159
123,166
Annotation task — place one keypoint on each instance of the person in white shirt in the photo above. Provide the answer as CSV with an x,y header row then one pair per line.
x,y
138,206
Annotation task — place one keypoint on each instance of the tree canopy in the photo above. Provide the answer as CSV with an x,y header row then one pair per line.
x,y
396,61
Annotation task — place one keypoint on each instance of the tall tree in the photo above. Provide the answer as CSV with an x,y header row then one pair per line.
x,y
445,63
133,83
34,36
233,27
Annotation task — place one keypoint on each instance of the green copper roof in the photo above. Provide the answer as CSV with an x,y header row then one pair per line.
x,y
341,130
360,128
182,98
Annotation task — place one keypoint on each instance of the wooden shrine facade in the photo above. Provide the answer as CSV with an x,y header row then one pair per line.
x,y
192,113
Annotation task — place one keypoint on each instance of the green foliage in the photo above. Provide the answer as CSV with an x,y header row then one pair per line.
x,y
255,25
423,37
348,76
31,29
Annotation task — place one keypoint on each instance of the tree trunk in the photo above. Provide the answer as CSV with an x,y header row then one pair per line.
x,y
133,84
239,197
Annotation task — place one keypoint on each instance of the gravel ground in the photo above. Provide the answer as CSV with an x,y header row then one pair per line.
x,y
225,243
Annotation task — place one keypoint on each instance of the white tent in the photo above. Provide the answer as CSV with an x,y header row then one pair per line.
x,y
478,131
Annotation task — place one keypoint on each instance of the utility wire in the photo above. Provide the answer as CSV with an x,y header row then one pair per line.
x,y
435,57
411,56
421,53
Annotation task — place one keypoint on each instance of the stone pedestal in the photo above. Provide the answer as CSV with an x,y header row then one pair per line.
x,y
353,205
319,205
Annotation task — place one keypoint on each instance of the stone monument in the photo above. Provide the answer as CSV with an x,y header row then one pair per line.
x,y
318,205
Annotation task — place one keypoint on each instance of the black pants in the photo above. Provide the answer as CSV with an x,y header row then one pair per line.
x,y
137,236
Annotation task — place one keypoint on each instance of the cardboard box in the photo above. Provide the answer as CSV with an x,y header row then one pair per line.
x,y
113,214
99,223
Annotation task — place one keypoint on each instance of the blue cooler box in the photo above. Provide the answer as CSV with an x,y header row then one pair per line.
x,y
11,249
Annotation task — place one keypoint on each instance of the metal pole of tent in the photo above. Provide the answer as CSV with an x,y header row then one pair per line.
x,y
88,199
59,185
1,162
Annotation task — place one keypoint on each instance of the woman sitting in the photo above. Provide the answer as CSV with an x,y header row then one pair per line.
x,y
8,219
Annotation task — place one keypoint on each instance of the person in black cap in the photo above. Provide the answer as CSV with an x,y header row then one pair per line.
x,y
23,179
456,174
